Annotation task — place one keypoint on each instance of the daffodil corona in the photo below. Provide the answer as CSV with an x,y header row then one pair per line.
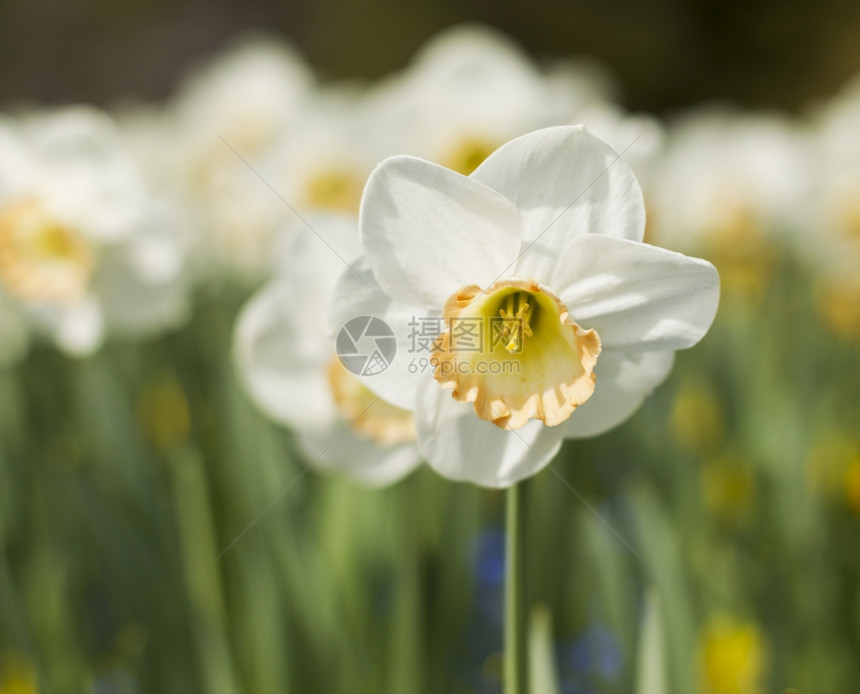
x,y
556,320
526,326
40,258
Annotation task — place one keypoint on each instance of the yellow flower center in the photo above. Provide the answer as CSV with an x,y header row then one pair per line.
x,y
468,154
514,352
370,416
41,260
250,131
334,190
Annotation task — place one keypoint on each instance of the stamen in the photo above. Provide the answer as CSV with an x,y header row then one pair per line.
x,y
516,321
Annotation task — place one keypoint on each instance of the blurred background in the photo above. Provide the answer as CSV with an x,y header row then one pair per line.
x,y
709,544
665,54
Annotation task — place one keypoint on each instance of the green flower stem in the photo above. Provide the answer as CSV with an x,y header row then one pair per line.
x,y
516,607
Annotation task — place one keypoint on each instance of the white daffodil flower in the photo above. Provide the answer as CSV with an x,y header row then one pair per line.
x,y
834,237
469,90
639,138
729,179
84,248
728,186
830,239
224,130
286,359
323,163
556,320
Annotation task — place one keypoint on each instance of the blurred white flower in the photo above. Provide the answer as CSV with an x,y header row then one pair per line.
x,y
471,89
831,238
733,187
323,163
834,238
223,131
286,359
728,177
536,266
249,95
84,247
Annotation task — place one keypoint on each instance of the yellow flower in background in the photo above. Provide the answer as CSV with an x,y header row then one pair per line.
x,y
838,304
732,657
163,414
698,423
829,465
18,674
852,485
743,255
728,487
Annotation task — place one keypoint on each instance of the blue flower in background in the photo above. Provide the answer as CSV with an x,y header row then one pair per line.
x,y
591,660
484,634
489,558
115,682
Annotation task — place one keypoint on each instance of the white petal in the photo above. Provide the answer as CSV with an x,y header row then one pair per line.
x,y
462,447
310,256
566,182
280,363
637,296
282,345
359,294
339,449
428,231
624,380
79,330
